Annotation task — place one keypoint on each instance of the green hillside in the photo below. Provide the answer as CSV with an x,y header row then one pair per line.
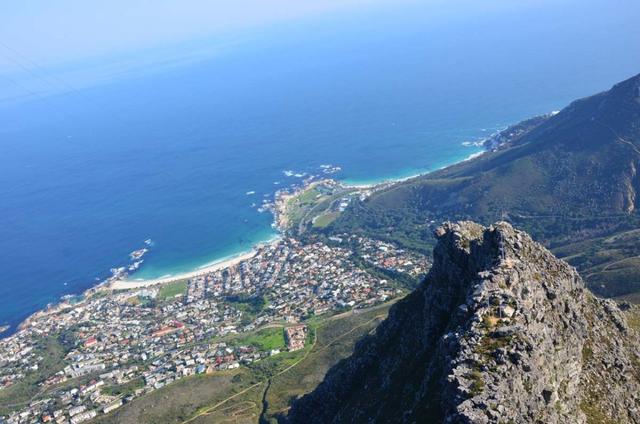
x,y
567,178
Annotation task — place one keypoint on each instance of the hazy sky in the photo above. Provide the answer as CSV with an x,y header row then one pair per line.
x,y
54,32
62,31
81,42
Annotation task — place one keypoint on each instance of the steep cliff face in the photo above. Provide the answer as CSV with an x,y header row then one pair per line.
x,y
500,331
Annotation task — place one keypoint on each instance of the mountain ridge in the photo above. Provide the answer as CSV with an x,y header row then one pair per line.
x,y
565,177
591,127
500,331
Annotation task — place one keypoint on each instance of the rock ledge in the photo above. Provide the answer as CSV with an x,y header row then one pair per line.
x,y
500,331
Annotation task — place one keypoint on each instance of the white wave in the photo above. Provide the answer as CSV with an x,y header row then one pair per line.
x,y
472,156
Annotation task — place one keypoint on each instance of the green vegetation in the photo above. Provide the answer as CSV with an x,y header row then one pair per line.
x,y
124,389
178,401
237,396
249,305
335,338
477,384
270,367
574,215
568,192
594,413
99,294
21,393
490,343
400,280
265,339
587,353
169,291
133,301
633,318
299,206
325,219
609,264
316,207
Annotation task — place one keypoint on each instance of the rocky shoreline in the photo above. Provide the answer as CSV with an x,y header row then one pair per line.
x,y
278,208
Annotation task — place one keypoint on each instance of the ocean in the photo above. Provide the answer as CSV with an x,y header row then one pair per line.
x,y
184,154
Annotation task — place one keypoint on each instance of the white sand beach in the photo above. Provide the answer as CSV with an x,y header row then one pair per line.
x,y
134,284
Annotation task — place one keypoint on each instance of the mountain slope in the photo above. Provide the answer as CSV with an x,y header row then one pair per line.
x,y
583,159
500,331
565,177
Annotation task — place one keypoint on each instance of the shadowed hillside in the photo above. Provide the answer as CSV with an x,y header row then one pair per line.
x,y
566,178
500,331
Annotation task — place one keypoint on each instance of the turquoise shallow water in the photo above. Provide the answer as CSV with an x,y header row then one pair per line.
x,y
170,155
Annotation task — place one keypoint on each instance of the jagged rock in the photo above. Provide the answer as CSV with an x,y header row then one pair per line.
x,y
500,331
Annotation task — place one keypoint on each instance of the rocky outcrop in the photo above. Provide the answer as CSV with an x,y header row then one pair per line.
x,y
499,332
513,134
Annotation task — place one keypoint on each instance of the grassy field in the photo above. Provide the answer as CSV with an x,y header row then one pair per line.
x,y
299,205
315,206
178,401
124,389
336,337
266,339
264,388
250,306
325,219
170,291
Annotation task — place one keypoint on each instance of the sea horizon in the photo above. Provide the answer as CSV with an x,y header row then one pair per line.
x,y
185,154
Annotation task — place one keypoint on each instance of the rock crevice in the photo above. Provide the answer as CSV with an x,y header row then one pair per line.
x,y
500,331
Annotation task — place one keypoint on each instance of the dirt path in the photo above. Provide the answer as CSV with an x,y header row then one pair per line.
x,y
620,139
239,413
607,266
213,408
222,402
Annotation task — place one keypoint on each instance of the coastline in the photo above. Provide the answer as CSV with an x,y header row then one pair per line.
x,y
205,269
384,181
278,223
113,284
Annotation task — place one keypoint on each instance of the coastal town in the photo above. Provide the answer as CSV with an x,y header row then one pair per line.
x,y
90,356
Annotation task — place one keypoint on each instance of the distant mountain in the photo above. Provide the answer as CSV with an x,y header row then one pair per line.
x,y
499,332
564,177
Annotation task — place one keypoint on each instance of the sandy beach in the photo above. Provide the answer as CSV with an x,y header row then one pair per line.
x,y
280,218
134,284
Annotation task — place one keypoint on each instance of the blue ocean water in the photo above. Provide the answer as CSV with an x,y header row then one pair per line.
x,y
170,154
